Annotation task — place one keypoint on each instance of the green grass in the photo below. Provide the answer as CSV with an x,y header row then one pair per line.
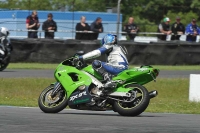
x,y
173,97
53,66
22,91
32,66
172,94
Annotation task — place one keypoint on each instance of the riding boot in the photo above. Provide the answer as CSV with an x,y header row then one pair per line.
x,y
108,78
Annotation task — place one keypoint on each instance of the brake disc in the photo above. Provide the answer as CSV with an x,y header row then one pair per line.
x,y
51,100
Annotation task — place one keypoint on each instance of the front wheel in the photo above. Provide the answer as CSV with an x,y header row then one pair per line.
x,y
4,63
139,101
52,105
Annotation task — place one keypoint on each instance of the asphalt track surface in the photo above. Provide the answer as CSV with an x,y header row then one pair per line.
x,y
33,120
24,73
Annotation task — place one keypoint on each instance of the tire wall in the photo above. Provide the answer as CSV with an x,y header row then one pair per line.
x,y
154,53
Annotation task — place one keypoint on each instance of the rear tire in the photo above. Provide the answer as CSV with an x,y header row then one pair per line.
x,y
132,109
52,105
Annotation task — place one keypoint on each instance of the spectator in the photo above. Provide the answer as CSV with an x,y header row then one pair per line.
x,y
82,26
177,29
96,27
131,27
49,26
192,30
32,23
164,27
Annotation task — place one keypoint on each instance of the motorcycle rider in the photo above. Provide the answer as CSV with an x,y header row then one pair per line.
x,y
116,59
4,42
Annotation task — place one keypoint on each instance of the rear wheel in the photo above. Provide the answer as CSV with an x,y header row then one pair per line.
x,y
52,105
139,101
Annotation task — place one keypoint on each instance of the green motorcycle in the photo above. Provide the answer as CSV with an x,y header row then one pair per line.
x,y
79,87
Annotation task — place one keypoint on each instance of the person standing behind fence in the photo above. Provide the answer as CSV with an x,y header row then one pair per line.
x,y
165,28
131,28
32,23
49,26
192,30
82,26
177,29
96,27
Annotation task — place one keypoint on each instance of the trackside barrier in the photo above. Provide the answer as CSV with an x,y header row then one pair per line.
x,y
113,32
153,53
194,88
138,38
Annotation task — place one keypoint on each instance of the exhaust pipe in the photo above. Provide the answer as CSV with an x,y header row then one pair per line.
x,y
153,94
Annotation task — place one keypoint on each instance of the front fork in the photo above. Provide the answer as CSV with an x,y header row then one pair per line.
x,y
57,88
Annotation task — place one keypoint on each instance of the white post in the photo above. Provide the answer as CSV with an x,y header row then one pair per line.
x,y
194,90
118,18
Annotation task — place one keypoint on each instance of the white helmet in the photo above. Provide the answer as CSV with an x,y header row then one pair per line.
x,y
4,31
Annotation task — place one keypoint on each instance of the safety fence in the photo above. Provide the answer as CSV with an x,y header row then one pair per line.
x,y
140,36
66,29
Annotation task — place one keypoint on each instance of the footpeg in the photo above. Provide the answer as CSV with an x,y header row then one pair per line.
x,y
110,85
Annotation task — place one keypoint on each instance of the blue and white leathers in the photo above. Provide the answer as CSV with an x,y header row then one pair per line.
x,y
116,59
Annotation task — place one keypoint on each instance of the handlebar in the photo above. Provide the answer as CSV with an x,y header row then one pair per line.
x,y
78,63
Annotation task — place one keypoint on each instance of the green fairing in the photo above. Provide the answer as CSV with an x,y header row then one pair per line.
x,y
131,76
67,82
90,70
137,75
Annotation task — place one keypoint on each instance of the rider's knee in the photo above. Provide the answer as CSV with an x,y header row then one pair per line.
x,y
96,64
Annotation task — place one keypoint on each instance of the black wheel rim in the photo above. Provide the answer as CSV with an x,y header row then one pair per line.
x,y
50,102
136,100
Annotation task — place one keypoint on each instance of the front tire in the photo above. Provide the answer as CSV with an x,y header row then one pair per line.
x,y
139,104
52,105
4,64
